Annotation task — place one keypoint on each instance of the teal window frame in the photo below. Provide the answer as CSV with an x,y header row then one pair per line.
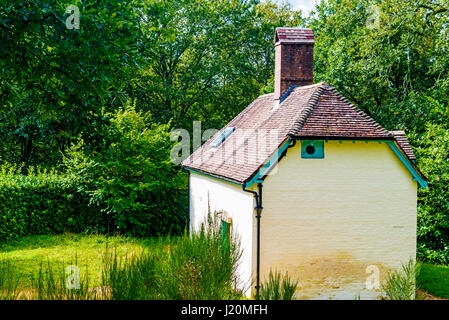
x,y
319,149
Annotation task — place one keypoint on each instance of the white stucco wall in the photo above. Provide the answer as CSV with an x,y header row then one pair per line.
x,y
325,220
219,195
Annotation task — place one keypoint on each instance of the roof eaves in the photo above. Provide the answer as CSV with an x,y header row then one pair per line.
x,y
212,175
267,165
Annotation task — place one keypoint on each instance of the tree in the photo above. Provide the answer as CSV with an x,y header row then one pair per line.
x,y
389,68
206,59
54,80
132,180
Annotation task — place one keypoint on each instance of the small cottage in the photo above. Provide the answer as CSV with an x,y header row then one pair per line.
x,y
310,183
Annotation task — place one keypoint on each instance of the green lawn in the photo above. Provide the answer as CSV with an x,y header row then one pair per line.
x,y
85,251
435,280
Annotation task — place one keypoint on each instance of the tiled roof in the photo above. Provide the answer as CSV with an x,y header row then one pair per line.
x,y
334,116
403,143
296,35
309,112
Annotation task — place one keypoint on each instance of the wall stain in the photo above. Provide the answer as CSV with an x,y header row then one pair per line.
x,y
334,276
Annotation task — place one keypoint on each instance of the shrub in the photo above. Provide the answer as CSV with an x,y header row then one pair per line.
x,y
401,284
195,267
131,178
41,203
128,186
278,287
204,265
133,278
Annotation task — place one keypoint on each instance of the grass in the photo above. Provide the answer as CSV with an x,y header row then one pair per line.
x,y
30,258
278,287
202,265
28,254
401,284
435,280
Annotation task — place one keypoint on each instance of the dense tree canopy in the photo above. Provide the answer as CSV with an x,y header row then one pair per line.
x,y
181,60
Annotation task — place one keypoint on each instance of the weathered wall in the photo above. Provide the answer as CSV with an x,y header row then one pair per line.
x,y
326,220
239,206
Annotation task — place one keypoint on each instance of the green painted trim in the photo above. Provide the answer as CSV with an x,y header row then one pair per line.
x,y
267,166
211,176
319,149
276,156
407,164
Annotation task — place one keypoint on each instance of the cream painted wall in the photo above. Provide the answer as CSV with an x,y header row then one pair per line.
x,y
239,206
325,220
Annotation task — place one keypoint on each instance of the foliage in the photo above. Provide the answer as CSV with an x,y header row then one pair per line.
x,y
433,213
55,80
132,179
278,287
192,268
195,267
401,284
130,187
181,60
197,54
435,280
394,69
41,203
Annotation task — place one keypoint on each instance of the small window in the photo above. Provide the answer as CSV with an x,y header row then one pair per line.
x,y
226,224
226,232
312,149
223,135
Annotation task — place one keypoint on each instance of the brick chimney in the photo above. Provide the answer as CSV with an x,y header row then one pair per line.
x,y
293,58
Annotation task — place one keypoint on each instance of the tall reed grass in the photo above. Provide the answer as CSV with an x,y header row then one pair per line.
x,y
197,266
401,284
278,287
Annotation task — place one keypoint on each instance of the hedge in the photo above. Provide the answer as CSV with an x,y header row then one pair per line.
x,y
43,203
52,203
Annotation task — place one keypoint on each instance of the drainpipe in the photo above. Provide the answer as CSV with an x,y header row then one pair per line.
x,y
258,198
259,208
188,201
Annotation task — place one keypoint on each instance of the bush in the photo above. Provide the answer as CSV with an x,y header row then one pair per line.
x,y
278,287
201,266
402,284
131,178
128,186
41,203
